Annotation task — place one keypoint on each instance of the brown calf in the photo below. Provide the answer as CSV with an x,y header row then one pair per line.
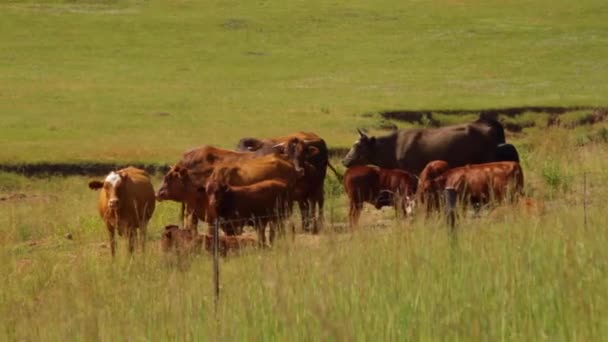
x,y
372,184
187,241
481,183
263,203
431,171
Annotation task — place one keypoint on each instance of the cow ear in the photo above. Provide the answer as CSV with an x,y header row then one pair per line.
x,y
312,151
95,185
123,174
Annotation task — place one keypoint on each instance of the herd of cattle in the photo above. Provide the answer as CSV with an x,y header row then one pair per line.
x,y
258,183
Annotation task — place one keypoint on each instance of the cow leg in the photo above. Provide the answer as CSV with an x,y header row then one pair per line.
x,y
112,237
142,236
304,213
354,213
190,219
261,234
132,236
272,227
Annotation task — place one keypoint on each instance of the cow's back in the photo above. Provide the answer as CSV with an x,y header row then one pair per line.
x,y
251,171
397,181
471,143
486,180
201,161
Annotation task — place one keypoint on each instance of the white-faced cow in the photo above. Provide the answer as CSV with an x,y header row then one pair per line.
x,y
126,203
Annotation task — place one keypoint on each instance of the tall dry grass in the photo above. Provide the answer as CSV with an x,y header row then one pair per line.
x,y
511,274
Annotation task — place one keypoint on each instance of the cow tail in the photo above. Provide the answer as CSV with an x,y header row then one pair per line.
x,y
339,176
520,180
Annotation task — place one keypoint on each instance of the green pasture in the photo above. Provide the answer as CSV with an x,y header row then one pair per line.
x,y
94,80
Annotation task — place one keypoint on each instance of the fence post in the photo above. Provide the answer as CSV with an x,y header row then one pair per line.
x,y
585,199
216,261
450,199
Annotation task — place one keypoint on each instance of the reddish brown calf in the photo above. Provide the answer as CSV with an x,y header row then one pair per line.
x,y
372,184
481,183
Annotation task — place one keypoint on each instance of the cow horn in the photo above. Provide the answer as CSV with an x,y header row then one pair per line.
x,y
279,145
361,133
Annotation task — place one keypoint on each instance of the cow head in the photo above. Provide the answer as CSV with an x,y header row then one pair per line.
x,y
298,152
174,185
113,186
361,152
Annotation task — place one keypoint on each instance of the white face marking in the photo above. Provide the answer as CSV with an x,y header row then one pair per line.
x,y
113,178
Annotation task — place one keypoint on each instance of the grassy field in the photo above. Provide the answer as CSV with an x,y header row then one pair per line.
x,y
512,274
128,81
86,80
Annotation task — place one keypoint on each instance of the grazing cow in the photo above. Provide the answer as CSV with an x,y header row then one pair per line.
x,y
431,171
413,149
263,203
187,241
371,184
194,167
479,184
313,156
126,203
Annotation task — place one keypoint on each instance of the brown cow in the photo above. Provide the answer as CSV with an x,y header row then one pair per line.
x,y
310,152
263,203
187,241
126,202
194,167
431,171
371,184
181,184
480,183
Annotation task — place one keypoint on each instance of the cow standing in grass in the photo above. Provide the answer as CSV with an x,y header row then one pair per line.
x,y
126,203
425,197
481,183
265,203
413,149
312,155
379,187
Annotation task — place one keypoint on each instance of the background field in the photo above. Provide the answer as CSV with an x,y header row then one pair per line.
x,y
86,80
125,81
